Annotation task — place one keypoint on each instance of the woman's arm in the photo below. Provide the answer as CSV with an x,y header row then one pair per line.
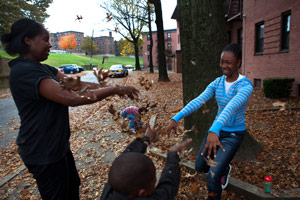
x,y
50,89
61,76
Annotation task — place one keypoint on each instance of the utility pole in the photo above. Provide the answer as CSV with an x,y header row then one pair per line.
x,y
92,42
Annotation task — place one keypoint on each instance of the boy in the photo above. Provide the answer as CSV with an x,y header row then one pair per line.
x,y
132,174
133,113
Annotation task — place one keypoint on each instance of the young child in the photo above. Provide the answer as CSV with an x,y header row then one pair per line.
x,y
133,174
133,113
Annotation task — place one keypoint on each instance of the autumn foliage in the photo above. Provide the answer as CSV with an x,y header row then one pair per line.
x,y
67,42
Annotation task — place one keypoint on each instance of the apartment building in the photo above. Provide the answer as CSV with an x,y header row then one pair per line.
x,y
55,38
171,45
105,45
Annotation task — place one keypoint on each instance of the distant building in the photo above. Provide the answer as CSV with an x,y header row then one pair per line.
x,y
55,38
105,45
171,45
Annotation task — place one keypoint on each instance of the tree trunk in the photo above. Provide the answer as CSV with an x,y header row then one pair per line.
x,y
162,69
151,40
202,37
137,57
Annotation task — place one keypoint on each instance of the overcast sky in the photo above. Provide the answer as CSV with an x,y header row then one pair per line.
x,y
63,14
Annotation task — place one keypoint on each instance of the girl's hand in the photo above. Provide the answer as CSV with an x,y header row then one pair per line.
x,y
172,126
212,142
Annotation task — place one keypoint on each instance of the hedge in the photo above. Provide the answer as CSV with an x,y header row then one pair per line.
x,y
278,87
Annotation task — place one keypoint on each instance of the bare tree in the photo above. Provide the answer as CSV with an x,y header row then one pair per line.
x,y
163,75
126,15
150,35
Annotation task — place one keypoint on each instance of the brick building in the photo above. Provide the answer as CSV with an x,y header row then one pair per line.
x,y
268,32
105,45
171,45
55,38
272,47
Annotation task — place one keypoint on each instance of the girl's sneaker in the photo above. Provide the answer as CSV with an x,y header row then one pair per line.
x,y
132,130
224,179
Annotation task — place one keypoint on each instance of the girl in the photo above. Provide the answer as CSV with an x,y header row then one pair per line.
x,y
232,92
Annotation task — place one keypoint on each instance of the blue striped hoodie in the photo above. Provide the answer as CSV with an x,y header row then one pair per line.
x,y
231,106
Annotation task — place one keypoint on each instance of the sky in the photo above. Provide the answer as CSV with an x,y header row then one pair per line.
x,y
63,17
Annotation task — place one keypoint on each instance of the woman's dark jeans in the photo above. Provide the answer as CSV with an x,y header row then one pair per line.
x,y
231,142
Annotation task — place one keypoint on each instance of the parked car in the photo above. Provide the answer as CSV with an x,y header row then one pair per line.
x,y
69,69
129,67
118,70
80,69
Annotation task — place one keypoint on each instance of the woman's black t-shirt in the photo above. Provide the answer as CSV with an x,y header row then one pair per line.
x,y
44,132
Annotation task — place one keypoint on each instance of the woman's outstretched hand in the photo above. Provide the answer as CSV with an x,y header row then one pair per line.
x,y
128,91
172,126
212,142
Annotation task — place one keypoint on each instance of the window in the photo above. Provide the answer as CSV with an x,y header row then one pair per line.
x,y
169,46
228,37
168,35
285,31
259,37
148,47
240,37
148,36
148,58
257,83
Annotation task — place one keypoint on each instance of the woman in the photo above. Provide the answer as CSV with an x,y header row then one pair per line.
x,y
232,92
43,139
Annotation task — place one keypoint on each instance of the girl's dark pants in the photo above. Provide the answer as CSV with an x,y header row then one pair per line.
x,y
231,142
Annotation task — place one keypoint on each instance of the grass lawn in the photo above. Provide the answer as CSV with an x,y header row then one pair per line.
x,y
56,60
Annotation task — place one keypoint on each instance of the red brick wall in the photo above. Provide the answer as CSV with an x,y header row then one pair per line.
x,y
173,41
272,63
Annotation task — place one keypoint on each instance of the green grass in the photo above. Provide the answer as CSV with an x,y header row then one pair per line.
x,y
56,60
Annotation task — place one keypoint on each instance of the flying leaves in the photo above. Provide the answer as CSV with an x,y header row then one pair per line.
x,y
95,128
101,75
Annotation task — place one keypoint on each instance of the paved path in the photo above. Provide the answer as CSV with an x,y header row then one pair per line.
x,y
9,119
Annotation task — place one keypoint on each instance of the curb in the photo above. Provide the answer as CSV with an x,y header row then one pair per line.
x,y
12,175
239,187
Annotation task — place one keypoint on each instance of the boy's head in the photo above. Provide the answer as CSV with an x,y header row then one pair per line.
x,y
142,109
133,175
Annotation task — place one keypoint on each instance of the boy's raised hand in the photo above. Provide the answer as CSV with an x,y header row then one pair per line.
x,y
172,126
179,147
153,136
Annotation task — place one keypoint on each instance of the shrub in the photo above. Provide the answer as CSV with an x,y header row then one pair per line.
x,y
278,87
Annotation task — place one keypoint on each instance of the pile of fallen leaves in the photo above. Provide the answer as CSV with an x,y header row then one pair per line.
x,y
99,134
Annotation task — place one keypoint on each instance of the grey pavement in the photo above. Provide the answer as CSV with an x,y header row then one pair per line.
x,y
9,119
